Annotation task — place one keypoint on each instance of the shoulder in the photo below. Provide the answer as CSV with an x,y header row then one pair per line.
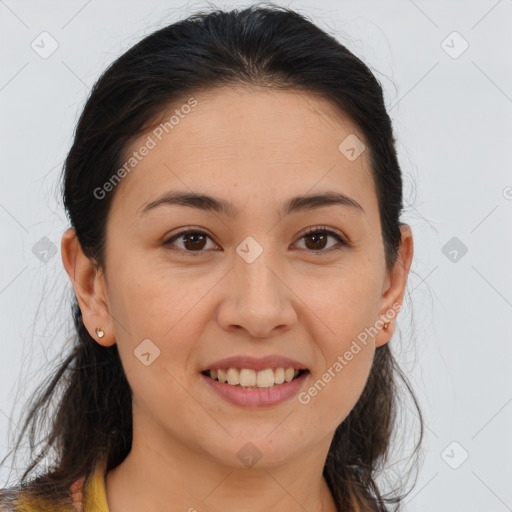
x,y
76,489
11,499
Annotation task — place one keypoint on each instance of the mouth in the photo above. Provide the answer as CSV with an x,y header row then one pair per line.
x,y
247,378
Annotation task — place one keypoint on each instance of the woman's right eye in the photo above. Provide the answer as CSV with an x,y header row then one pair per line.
x,y
194,239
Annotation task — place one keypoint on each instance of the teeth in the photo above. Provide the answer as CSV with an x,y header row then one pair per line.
x,y
248,378
233,376
289,374
278,375
265,378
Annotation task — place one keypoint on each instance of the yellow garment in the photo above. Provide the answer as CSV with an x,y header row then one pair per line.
x,y
97,501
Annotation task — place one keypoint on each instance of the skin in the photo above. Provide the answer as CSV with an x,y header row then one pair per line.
x,y
255,148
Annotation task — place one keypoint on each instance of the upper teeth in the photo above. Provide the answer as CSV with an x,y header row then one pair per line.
x,y
251,378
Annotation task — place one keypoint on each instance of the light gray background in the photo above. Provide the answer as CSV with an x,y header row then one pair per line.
x,y
452,118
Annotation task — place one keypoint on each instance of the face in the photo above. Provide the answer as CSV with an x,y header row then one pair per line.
x,y
249,281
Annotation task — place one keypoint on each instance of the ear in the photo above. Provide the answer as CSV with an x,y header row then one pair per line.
x,y
90,288
394,287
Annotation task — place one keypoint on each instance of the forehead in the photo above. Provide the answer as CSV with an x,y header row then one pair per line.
x,y
248,144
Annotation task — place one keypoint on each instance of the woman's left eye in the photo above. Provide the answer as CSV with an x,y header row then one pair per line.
x,y
320,236
194,240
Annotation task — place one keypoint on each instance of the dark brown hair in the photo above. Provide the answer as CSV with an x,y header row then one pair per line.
x,y
266,46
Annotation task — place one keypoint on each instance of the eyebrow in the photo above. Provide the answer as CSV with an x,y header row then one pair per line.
x,y
214,204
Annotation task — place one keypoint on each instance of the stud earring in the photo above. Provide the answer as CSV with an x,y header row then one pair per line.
x,y
100,332
386,325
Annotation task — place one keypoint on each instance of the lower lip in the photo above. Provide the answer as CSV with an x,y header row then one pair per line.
x,y
257,397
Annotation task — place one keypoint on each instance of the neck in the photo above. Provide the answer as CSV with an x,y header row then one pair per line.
x,y
182,479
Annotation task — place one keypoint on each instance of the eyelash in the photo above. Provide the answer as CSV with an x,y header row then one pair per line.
x,y
315,230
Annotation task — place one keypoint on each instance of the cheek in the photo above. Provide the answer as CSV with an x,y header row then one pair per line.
x,y
154,300
346,305
161,314
345,337
333,392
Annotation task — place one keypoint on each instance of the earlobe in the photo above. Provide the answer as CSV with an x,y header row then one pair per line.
x,y
385,334
394,294
90,290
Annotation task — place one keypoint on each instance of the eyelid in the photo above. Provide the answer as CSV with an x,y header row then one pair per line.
x,y
342,239
328,230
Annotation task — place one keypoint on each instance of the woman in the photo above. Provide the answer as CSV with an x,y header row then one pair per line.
x,y
238,264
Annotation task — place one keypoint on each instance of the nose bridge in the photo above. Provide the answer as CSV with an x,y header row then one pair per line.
x,y
256,299
253,264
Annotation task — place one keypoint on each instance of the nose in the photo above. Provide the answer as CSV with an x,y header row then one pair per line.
x,y
259,300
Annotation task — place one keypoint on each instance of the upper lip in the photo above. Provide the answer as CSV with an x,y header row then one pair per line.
x,y
256,363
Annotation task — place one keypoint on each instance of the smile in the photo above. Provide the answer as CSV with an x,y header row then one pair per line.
x,y
253,379
250,388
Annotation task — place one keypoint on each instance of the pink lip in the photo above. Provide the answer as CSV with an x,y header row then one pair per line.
x,y
257,397
255,363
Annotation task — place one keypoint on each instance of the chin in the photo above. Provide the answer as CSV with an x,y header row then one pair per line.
x,y
257,451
